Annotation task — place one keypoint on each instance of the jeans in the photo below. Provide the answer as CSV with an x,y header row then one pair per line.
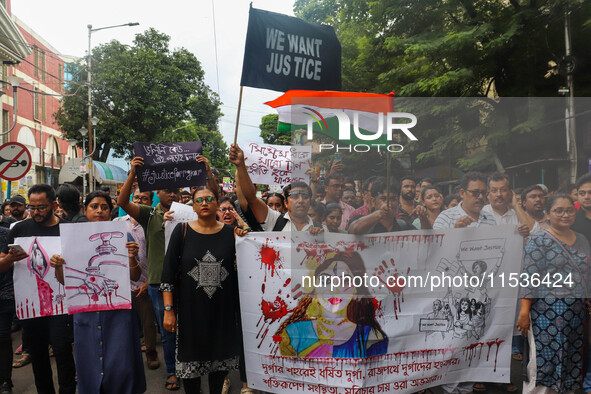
x,y
6,314
517,344
56,331
168,338
145,312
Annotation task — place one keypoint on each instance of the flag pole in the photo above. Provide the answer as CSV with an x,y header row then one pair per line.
x,y
388,179
238,115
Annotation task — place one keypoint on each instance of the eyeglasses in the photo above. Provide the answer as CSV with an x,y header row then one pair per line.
x,y
476,193
208,199
39,208
562,212
141,198
303,194
96,206
226,209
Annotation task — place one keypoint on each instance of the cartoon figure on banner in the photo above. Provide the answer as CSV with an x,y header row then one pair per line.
x,y
338,323
38,264
92,283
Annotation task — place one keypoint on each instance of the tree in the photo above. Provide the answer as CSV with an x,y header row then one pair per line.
x,y
269,132
459,48
140,93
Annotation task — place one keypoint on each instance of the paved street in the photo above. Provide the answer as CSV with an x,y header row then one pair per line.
x,y
22,378
24,384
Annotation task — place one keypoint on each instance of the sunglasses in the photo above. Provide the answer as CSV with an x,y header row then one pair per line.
x,y
199,200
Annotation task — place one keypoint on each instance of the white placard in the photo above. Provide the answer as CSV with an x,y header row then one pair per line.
x,y
183,213
277,164
37,292
96,273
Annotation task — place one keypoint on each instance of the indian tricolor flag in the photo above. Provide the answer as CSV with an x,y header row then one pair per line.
x,y
347,117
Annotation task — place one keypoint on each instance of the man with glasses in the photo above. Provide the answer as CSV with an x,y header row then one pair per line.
x,y
468,213
48,330
297,196
334,187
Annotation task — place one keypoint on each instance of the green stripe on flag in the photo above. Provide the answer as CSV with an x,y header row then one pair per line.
x,y
333,132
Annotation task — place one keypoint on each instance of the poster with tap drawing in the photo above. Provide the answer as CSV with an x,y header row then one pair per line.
x,y
96,273
37,292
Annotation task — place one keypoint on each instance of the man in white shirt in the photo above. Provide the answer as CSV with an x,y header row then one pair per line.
x,y
297,198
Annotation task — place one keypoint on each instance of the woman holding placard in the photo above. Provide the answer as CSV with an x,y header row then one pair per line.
x,y
107,343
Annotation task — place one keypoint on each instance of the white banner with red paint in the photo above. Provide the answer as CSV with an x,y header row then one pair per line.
x,y
37,292
369,314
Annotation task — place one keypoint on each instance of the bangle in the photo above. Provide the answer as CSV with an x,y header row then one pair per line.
x,y
136,265
246,228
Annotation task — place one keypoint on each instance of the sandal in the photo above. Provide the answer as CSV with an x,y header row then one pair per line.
x,y
21,362
172,383
479,387
507,387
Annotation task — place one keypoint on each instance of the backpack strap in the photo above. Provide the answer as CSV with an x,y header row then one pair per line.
x,y
280,223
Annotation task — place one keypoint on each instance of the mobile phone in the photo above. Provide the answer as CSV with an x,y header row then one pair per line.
x,y
16,247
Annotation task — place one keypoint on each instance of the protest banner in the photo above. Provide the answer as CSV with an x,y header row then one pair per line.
x,y
169,165
183,213
277,164
96,273
37,292
396,325
283,52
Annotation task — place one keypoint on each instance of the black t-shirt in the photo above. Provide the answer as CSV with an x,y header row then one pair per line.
x,y
30,228
582,224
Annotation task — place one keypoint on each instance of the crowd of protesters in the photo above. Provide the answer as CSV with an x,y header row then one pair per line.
x,y
200,325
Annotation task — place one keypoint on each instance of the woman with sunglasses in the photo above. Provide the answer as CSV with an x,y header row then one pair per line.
x,y
199,268
555,314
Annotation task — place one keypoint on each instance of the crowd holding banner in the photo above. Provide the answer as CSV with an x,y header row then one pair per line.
x,y
329,285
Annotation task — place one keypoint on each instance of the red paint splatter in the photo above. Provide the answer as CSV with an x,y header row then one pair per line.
x,y
94,297
263,288
274,310
490,345
92,279
270,259
276,338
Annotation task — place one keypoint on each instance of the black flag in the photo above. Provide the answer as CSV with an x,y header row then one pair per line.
x,y
283,53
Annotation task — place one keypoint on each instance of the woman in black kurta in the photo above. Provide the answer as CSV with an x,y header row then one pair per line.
x,y
200,268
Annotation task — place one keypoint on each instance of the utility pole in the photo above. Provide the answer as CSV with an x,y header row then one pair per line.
x,y
570,113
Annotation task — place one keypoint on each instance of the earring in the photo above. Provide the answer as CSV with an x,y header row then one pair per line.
x,y
314,310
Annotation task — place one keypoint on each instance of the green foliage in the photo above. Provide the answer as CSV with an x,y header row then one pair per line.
x,y
459,48
140,93
269,132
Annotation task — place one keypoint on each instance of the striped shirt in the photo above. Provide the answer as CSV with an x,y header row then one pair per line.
x,y
448,218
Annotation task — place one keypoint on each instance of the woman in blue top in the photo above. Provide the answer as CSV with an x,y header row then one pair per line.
x,y
107,343
337,323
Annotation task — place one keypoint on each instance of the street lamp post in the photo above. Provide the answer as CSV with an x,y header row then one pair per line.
x,y
84,132
91,148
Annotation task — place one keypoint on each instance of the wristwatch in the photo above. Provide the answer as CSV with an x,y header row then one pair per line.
x,y
167,307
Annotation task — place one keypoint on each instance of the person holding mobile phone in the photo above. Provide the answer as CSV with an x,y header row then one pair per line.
x,y
48,330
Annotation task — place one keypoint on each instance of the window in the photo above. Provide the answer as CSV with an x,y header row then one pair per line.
x,y
36,53
60,78
43,106
43,66
36,109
